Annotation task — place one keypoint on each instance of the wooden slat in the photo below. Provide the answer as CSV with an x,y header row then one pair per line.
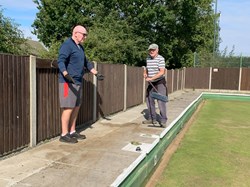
x,y
7,133
2,121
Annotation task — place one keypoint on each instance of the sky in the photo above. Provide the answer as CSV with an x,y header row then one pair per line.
x,y
234,22
235,25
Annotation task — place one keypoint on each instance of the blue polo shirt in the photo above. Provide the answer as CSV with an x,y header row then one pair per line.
x,y
72,59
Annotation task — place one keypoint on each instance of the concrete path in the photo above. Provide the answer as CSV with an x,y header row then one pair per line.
x,y
95,162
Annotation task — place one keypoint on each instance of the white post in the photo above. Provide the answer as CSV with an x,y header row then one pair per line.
x,y
32,74
125,87
210,78
239,88
184,78
178,78
95,94
172,80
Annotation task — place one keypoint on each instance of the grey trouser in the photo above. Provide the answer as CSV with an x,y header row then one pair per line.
x,y
70,95
161,88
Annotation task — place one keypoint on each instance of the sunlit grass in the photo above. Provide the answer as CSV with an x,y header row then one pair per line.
x,y
215,150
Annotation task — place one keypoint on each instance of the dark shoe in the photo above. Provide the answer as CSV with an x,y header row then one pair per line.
x,y
78,136
68,139
149,121
163,124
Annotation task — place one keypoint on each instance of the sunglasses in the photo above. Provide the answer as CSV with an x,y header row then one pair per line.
x,y
84,34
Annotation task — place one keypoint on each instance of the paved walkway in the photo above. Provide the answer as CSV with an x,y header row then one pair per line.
x,y
95,162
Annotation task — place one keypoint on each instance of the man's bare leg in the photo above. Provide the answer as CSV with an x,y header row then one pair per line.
x,y
73,117
65,119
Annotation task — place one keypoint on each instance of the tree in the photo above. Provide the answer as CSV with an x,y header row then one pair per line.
x,y
112,41
194,30
56,18
120,31
11,37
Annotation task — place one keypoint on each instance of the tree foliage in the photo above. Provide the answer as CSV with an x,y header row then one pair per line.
x,y
112,41
12,39
120,31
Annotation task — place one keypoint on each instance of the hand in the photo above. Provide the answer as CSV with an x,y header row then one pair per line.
x,y
99,76
70,79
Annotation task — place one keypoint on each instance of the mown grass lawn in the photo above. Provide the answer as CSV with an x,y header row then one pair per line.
x,y
215,151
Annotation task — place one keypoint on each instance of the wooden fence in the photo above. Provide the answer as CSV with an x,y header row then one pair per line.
x,y
237,79
14,103
29,106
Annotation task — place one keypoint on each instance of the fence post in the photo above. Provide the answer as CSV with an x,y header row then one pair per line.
x,y
32,70
210,78
239,87
177,81
125,87
172,81
95,93
184,78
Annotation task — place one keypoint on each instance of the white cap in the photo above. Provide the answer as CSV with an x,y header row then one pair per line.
x,y
153,46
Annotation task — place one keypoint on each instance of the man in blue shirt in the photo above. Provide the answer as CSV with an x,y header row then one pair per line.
x,y
72,63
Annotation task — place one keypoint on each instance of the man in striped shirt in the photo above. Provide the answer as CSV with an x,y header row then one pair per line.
x,y
155,73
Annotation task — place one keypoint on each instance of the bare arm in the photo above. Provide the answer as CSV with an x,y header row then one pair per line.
x,y
145,72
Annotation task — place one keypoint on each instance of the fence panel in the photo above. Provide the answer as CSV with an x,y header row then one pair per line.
x,y
225,78
179,83
85,115
197,78
110,92
245,79
14,103
175,81
169,81
134,86
48,109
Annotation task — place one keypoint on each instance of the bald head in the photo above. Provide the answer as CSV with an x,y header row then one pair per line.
x,y
79,28
79,34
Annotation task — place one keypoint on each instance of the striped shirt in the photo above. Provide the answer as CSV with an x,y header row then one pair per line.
x,y
154,65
